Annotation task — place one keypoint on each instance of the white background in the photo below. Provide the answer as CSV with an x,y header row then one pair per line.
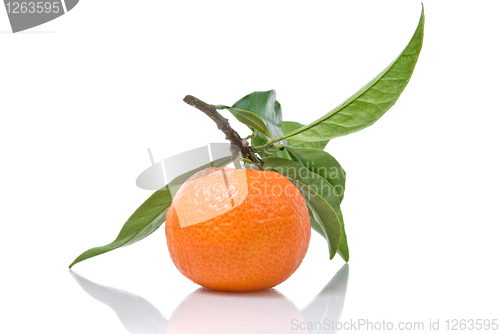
x,y
84,96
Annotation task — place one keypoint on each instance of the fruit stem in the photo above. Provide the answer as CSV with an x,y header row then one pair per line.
x,y
222,124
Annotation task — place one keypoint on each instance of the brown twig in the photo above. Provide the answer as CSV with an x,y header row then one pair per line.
x,y
223,125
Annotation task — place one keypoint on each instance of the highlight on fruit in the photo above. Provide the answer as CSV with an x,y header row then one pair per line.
x,y
243,221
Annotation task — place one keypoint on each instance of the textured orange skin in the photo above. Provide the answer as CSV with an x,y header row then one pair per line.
x,y
255,245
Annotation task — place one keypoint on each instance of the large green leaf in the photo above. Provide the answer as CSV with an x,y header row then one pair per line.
x,y
324,216
149,216
368,104
289,127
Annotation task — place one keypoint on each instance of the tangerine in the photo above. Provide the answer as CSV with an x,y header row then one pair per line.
x,y
237,230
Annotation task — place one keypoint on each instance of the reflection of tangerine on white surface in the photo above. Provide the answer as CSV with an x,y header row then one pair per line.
x,y
139,316
210,193
213,312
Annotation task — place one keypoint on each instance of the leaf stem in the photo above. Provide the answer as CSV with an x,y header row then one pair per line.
x,y
266,147
249,136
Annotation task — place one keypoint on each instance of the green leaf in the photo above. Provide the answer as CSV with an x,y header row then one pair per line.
x,y
144,221
250,119
323,164
343,247
258,141
264,105
315,226
295,170
318,184
289,127
368,104
149,216
324,216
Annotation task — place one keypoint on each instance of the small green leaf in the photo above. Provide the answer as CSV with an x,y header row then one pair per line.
x,y
289,127
258,141
323,215
250,119
368,104
149,216
264,105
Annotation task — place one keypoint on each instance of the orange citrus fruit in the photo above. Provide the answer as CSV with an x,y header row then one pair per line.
x,y
237,230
